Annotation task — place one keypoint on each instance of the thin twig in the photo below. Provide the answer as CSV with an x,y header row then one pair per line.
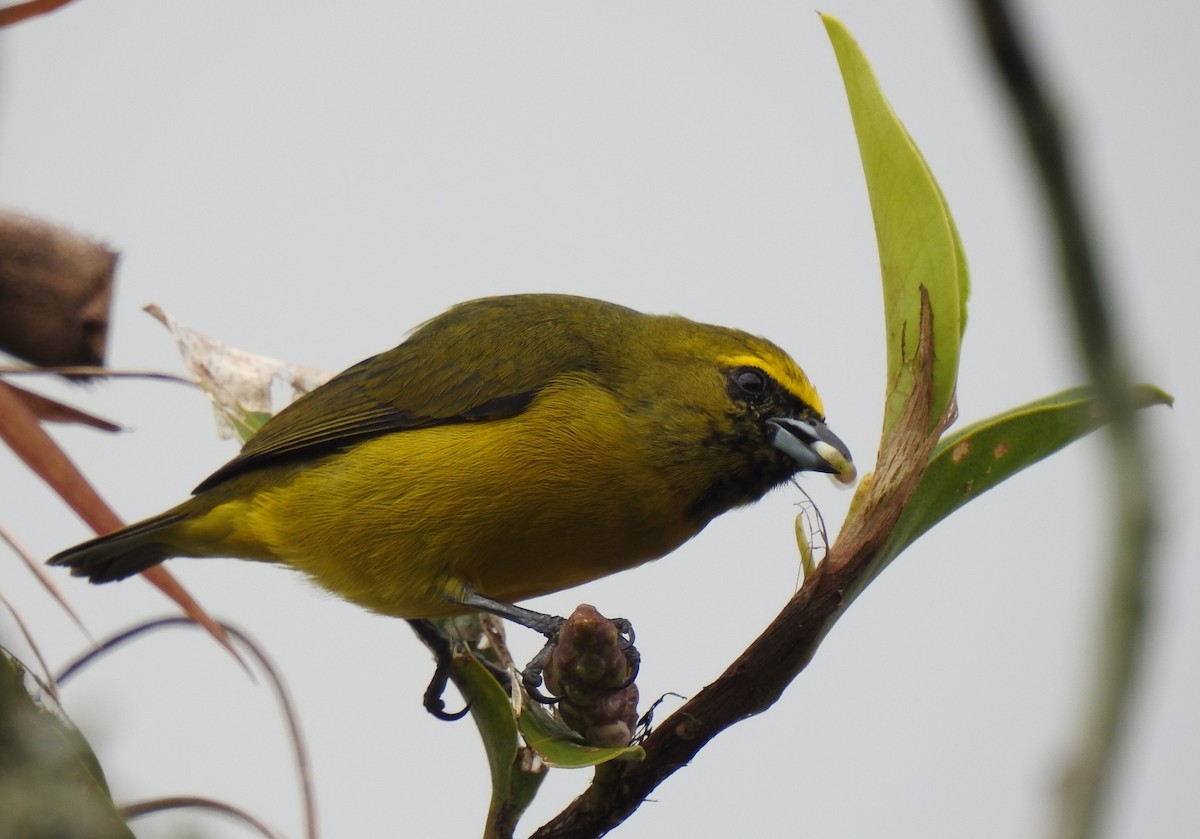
x,y
174,802
47,582
303,767
49,685
1122,622
95,372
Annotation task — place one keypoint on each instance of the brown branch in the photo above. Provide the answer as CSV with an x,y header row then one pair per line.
x,y
30,9
760,674
51,410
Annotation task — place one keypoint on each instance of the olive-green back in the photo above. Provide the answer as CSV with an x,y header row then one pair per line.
x,y
481,360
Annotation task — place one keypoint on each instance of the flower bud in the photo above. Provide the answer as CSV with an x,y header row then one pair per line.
x,y
591,672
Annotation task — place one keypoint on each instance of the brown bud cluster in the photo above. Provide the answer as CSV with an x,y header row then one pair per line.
x,y
591,672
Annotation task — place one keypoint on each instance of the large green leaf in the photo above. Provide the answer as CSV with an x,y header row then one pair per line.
x,y
976,458
919,247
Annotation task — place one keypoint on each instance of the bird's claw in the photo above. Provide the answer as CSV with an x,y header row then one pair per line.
x,y
531,676
634,658
443,661
435,706
625,630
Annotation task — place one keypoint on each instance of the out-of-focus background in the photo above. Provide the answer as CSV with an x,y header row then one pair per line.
x,y
310,182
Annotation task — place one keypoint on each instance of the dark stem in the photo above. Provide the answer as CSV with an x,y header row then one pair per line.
x,y
1110,692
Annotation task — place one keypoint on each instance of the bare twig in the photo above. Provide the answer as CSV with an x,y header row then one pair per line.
x,y
157,805
1122,627
50,685
95,372
303,766
38,571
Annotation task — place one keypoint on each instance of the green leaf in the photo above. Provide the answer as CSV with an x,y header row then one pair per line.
x,y
919,245
513,787
494,718
246,423
561,747
976,458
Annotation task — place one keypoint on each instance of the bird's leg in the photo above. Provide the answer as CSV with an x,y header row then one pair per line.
x,y
547,625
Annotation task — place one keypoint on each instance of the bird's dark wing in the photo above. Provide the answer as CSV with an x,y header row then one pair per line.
x,y
480,361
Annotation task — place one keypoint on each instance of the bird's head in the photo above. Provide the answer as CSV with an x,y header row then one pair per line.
x,y
733,414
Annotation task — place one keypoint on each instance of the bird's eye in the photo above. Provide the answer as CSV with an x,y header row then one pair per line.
x,y
750,381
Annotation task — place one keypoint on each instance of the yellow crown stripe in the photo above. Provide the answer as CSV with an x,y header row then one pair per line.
x,y
782,370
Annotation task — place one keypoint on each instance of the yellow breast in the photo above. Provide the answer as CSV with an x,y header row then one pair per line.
x,y
514,508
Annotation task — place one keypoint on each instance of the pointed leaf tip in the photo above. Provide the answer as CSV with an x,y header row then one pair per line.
x,y
919,245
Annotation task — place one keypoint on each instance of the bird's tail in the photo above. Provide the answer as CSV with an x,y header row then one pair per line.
x,y
123,552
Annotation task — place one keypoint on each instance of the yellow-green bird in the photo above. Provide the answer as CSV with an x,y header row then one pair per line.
x,y
510,447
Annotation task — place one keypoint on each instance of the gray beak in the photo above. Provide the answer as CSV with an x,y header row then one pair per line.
x,y
812,445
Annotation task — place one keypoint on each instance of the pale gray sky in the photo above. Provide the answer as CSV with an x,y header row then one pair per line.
x,y
309,182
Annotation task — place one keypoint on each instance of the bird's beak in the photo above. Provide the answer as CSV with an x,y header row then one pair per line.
x,y
810,443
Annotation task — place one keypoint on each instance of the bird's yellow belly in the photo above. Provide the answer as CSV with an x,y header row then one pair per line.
x,y
512,508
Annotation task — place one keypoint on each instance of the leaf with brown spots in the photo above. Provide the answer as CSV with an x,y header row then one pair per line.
x,y
976,458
